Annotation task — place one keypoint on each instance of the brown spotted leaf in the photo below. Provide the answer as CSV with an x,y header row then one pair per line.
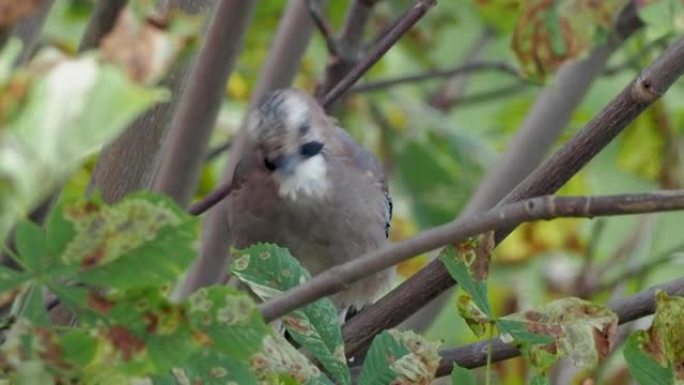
x,y
569,327
400,357
550,32
270,270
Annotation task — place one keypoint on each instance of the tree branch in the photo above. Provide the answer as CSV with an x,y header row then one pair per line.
x,y
463,69
506,216
323,26
433,279
292,37
628,309
101,22
410,18
141,143
29,29
199,104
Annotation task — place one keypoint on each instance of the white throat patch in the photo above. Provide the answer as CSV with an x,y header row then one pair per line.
x,y
310,178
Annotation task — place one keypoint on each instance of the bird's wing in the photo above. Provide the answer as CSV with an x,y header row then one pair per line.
x,y
369,165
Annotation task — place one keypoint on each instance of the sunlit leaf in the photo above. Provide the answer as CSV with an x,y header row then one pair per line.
x,y
60,112
269,270
397,357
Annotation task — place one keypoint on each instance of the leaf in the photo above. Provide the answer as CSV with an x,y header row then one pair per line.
x,y
229,319
398,357
115,246
9,279
462,376
468,263
549,33
570,327
279,361
270,270
33,306
208,367
661,17
667,326
30,242
60,112
645,369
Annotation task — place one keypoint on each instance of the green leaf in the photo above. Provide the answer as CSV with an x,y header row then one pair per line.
x,y
115,246
462,376
33,306
230,319
645,369
270,270
31,246
59,231
662,17
397,357
470,271
580,330
9,279
61,114
208,367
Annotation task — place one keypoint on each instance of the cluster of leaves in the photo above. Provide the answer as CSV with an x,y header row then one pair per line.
x,y
112,267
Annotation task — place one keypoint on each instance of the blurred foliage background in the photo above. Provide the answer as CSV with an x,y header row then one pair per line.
x,y
438,137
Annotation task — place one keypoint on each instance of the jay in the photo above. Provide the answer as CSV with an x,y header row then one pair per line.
x,y
306,185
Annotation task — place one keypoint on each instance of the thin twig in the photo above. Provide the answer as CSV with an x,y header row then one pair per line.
x,y
628,309
463,69
323,26
405,23
339,277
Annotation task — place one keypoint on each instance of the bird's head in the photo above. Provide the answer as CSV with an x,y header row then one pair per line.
x,y
287,129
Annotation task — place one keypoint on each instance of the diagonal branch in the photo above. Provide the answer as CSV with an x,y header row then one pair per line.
x,y
323,26
463,69
432,280
628,309
505,216
408,20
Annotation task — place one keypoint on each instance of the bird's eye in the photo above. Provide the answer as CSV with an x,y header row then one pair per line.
x,y
310,149
269,165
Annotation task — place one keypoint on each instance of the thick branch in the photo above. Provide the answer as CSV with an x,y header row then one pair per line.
x,y
628,309
292,37
463,69
140,144
410,18
340,277
578,151
101,22
199,104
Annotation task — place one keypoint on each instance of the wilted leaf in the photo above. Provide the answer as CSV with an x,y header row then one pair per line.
x,y
569,327
59,114
279,359
147,47
550,32
468,264
270,270
400,357
208,367
11,11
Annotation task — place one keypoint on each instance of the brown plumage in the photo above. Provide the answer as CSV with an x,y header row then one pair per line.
x,y
305,184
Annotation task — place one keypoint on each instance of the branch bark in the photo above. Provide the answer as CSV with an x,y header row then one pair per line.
x,y
101,22
628,309
292,38
505,216
408,20
463,69
199,104
141,143
29,29
622,110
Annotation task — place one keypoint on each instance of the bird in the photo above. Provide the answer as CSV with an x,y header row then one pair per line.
x,y
305,184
